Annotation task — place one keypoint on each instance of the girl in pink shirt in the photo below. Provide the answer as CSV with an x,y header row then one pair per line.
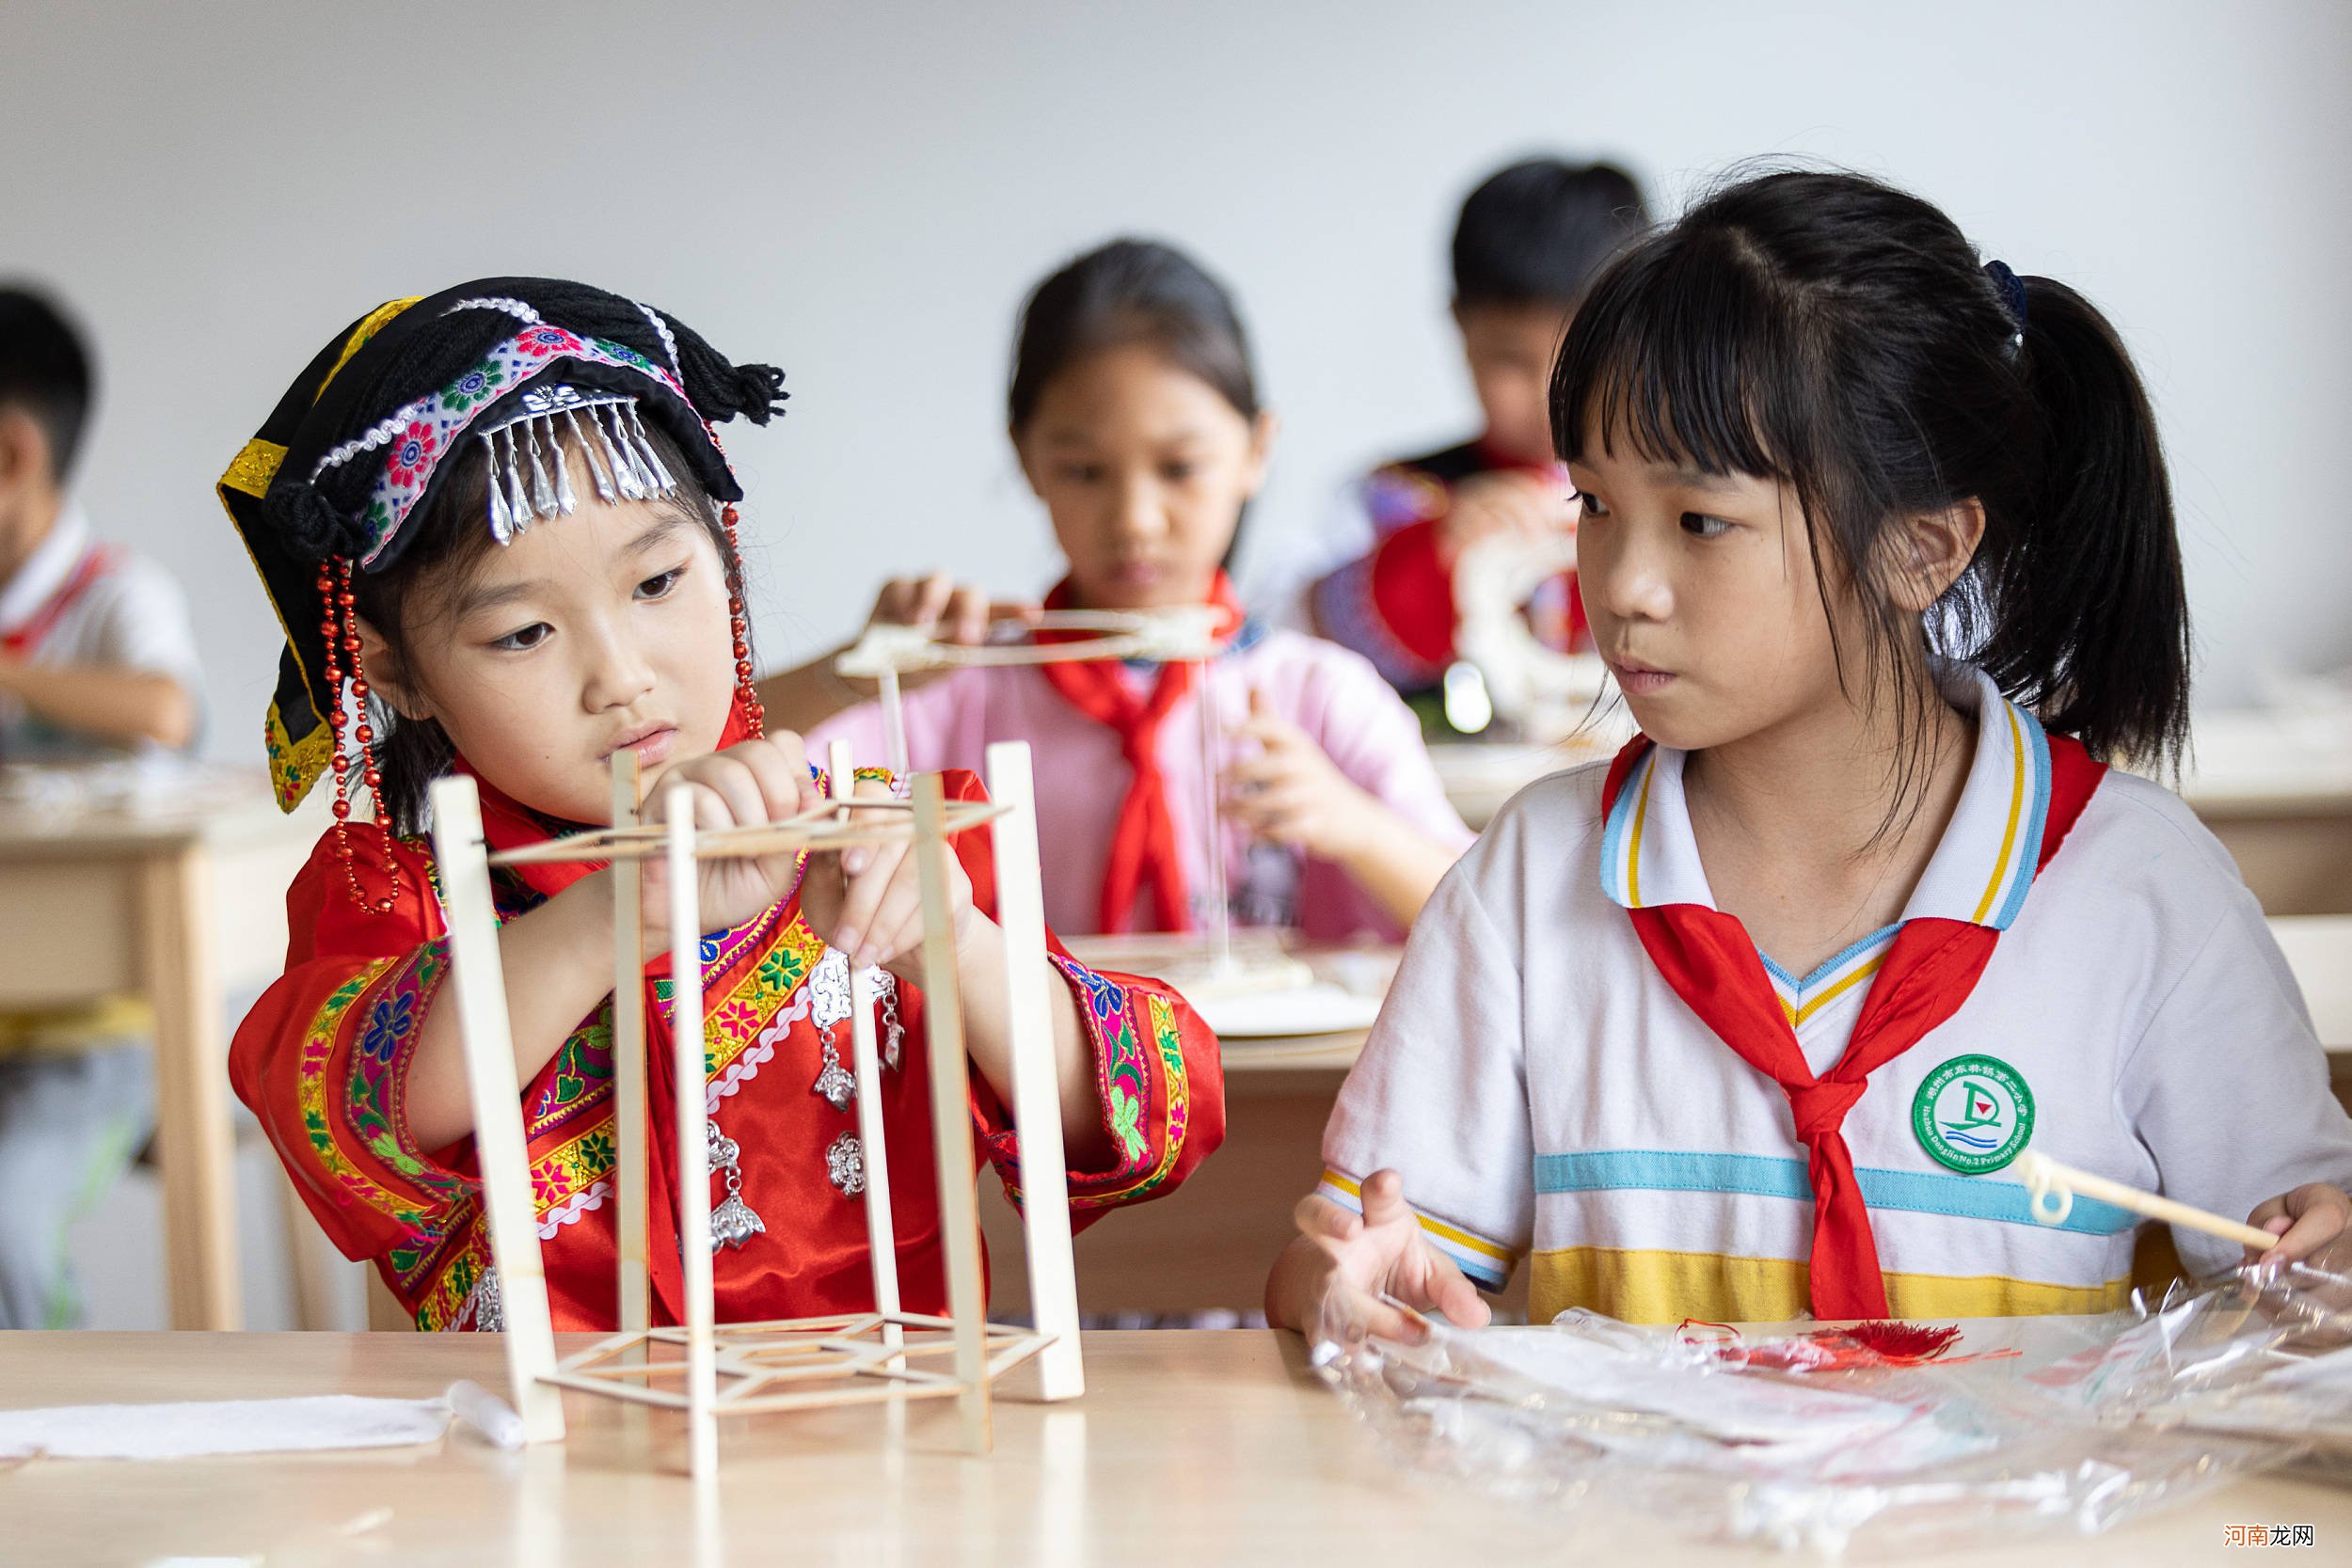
x,y
1136,417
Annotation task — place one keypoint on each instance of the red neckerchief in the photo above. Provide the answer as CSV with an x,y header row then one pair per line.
x,y
95,562
1143,840
1928,973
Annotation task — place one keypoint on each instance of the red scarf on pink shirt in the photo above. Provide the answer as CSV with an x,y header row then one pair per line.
x,y
1143,839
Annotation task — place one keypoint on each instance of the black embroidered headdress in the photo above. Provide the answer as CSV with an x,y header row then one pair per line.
x,y
497,370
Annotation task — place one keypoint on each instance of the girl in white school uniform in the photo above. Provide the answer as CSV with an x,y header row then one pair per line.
x,y
1755,1020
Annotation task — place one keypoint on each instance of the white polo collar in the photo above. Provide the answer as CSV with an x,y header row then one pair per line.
x,y
1979,871
45,570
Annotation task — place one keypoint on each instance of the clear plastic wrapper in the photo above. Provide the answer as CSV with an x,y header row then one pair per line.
x,y
1869,1439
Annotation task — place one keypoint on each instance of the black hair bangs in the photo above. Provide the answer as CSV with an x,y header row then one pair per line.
x,y
1681,352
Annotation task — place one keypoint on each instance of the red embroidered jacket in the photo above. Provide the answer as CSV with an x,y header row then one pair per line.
x,y
322,1060
1394,605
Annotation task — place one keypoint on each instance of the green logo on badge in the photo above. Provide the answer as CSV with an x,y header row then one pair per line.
x,y
1973,1114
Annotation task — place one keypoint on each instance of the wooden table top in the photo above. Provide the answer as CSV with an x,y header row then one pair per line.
x,y
1193,1448
91,813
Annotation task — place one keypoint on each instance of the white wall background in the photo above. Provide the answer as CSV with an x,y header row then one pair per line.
x,y
863,191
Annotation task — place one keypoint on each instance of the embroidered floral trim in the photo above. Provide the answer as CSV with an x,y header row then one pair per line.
x,y
1125,1082
1125,1077
421,430
569,1210
448,1302
557,1178
756,1056
374,1102
732,1022
581,1078
1129,1087
318,1052
294,764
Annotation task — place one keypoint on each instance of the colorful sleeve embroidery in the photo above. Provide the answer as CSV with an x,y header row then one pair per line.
x,y
323,1062
1163,1093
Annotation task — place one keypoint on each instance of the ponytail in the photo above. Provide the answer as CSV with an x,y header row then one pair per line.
x,y
2090,614
1837,334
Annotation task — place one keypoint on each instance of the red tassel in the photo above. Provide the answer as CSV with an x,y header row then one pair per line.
x,y
340,631
746,693
1878,1343
1901,1342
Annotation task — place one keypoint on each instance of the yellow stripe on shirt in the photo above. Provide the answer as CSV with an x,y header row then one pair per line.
x,y
1804,1013
1463,1239
1661,1287
1633,855
2016,814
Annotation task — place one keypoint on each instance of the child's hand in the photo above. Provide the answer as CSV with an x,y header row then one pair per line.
x,y
867,902
1290,793
1351,1260
1526,504
758,781
961,612
2310,1224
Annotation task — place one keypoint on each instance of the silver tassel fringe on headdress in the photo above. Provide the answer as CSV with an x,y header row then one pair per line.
x,y
529,479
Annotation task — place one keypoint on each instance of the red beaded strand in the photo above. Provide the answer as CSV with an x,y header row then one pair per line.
x,y
755,716
339,629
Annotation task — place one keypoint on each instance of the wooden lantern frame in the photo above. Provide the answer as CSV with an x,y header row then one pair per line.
x,y
1179,634
1172,634
700,1368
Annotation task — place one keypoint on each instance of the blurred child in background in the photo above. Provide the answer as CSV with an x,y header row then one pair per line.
x,y
97,662
1378,575
1135,411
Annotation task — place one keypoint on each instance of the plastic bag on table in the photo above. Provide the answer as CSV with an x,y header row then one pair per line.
x,y
2254,1351
1771,1441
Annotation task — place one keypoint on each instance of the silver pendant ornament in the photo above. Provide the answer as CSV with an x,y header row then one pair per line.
x,y
828,1005
845,1165
530,483
732,1221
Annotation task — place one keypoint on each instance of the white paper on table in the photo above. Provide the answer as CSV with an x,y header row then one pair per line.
x,y
1729,1409
1768,1428
191,1429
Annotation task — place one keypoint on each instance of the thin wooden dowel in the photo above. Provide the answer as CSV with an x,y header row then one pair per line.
x,y
661,1399
894,718
882,1238
2045,1179
1221,913
951,1114
485,1029
1184,632
631,1160
1036,1092
693,1151
872,821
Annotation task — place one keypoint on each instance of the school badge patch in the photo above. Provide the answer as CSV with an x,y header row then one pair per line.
x,y
1973,1114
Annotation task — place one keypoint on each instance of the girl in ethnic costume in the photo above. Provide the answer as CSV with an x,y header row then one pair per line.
x,y
1755,1021
501,515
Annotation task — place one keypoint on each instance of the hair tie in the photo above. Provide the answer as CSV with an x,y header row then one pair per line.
x,y
2012,291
